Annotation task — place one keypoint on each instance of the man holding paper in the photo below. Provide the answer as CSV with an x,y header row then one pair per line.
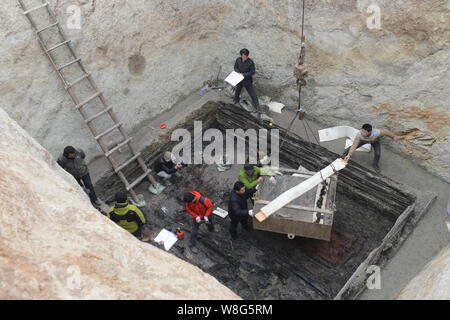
x,y
246,67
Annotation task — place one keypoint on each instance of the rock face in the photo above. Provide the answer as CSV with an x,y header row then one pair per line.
x,y
55,245
433,282
147,55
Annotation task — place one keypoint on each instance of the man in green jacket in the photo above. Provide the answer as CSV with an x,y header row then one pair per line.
x,y
250,176
127,215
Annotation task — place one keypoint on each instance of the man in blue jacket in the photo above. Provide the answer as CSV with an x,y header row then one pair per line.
x,y
245,66
238,208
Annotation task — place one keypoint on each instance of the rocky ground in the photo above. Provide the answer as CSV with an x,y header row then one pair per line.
x,y
265,265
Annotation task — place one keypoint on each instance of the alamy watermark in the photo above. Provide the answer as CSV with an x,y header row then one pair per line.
x,y
238,146
373,282
374,20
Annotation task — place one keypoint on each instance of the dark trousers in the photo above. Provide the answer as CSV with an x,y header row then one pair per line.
x,y
235,222
376,148
87,182
195,230
251,91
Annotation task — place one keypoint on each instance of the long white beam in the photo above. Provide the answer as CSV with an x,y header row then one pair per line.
x,y
299,190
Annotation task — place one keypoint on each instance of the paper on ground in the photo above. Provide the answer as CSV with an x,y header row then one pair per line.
x,y
335,133
167,237
234,78
221,213
295,192
275,106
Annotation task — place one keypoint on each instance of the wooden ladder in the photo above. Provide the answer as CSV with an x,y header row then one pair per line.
x,y
97,94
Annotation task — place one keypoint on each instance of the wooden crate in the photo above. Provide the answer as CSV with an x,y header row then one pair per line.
x,y
300,217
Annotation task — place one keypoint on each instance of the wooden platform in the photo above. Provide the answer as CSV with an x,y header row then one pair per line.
x,y
306,216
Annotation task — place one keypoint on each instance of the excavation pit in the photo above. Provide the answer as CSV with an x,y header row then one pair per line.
x,y
373,217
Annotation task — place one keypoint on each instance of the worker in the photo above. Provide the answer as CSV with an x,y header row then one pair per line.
x,y
147,236
238,208
73,161
200,208
246,67
250,176
165,166
369,135
126,215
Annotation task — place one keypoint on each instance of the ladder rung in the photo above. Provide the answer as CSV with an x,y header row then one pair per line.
x,y
110,152
78,80
59,45
101,135
89,100
138,180
36,8
128,162
68,64
98,115
47,27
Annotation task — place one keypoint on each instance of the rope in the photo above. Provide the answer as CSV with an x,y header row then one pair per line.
x,y
300,87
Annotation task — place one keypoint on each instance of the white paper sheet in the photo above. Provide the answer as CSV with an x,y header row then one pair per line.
x,y
221,213
275,106
167,237
335,133
234,78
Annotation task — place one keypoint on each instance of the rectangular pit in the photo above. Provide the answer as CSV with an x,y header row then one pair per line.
x,y
373,217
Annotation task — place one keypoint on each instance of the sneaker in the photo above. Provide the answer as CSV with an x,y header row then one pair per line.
x,y
376,167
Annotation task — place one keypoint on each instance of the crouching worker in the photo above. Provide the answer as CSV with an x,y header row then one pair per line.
x,y
250,176
200,208
147,236
369,135
73,161
238,208
166,167
127,215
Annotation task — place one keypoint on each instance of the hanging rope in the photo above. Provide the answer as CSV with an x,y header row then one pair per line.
x,y
299,73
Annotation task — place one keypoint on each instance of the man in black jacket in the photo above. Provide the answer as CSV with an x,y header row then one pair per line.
x,y
238,208
73,161
165,166
245,66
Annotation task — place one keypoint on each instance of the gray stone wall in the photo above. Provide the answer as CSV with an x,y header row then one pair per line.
x,y
148,55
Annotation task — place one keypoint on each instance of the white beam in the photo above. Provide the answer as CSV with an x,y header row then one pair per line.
x,y
299,190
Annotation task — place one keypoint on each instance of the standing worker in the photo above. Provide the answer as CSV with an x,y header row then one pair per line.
x,y
245,66
73,161
370,135
238,208
126,215
200,208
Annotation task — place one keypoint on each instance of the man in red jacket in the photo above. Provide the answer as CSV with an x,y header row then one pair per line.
x,y
200,208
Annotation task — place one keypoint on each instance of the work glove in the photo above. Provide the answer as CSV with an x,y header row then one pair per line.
x,y
198,219
250,213
206,220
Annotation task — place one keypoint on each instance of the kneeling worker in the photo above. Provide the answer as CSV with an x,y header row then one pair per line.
x,y
165,166
238,208
126,215
200,208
